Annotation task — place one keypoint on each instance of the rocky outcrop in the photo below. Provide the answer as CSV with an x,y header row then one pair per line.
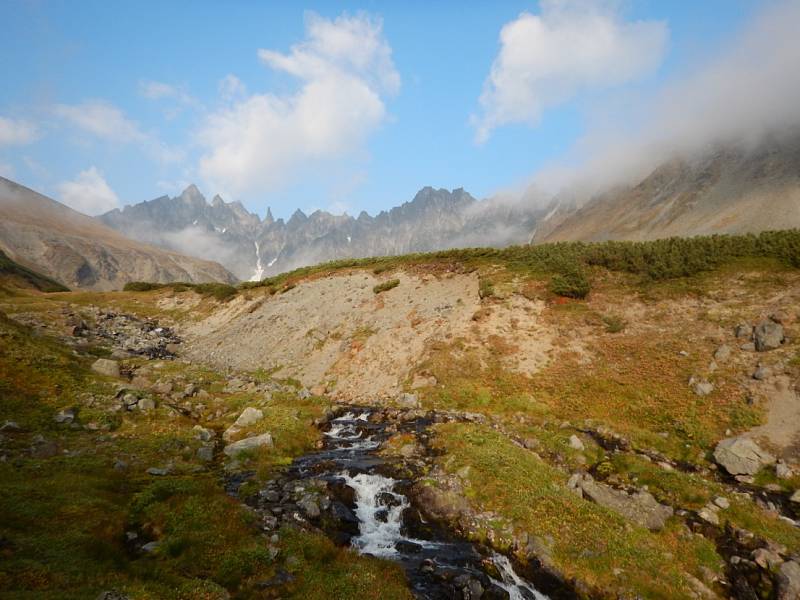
x,y
741,456
81,252
640,507
251,443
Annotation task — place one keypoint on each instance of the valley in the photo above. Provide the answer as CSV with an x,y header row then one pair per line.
x,y
612,428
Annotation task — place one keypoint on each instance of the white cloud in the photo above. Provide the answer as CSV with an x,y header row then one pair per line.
x,y
345,70
101,119
88,193
572,46
16,131
232,88
747,90
156,90
106,121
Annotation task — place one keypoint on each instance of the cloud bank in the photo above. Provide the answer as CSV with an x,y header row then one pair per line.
x,y
572,46
747,90
345,71
88,193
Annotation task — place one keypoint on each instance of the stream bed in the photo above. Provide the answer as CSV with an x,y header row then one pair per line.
x,y
349,491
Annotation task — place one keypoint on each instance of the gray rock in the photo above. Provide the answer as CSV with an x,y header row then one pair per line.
x,y
743,330
151,546
146,404
788,580
748,347
304,394
408,401
762,373
723,353
203,434
722,502
741,456
249,416
162,387
310,507
641,507
783,471
795,497
106,367
65,416
251,443
575,442
768,335
206,452
708,515
701,387
157,471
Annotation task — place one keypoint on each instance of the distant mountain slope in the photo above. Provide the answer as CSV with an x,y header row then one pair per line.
x,y
19,276
728,190
251,247
79,251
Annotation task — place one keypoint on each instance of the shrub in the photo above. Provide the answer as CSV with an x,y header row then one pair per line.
x,y
219,291
386,285
570,280
485,288
141,286
614,323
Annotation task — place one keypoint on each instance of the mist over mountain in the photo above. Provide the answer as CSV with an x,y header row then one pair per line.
x,y
253,247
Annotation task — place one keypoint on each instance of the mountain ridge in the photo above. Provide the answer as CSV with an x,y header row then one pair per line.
x,y
80,251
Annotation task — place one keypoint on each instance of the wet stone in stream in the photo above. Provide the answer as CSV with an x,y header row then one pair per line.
x,y
348,490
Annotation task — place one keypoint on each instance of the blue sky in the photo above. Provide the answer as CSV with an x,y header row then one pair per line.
x,y
108,103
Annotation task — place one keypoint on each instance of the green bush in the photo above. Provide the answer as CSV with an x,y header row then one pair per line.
x,y
485,288
219,291
386,285
614,323
141,286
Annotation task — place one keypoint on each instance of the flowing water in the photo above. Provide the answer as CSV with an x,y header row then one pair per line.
x,y
436,562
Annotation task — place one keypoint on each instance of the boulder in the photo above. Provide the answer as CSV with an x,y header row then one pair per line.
x,y
723,353
640,507
743,330
795,497
701,387
251,443
146,404
768,335
741,456
106,367
65,416
761,373
408,401
203,434
575,442
249,416
788,580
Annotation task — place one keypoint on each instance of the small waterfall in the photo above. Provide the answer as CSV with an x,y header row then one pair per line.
x,y
513,583
382,510
259,273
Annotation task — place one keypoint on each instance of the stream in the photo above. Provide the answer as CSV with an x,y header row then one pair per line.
x,y
374,515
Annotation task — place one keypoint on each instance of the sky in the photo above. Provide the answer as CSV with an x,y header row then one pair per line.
x,y
350,106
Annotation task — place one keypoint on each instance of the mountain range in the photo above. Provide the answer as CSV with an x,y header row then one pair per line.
x,y
729,188
253,248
